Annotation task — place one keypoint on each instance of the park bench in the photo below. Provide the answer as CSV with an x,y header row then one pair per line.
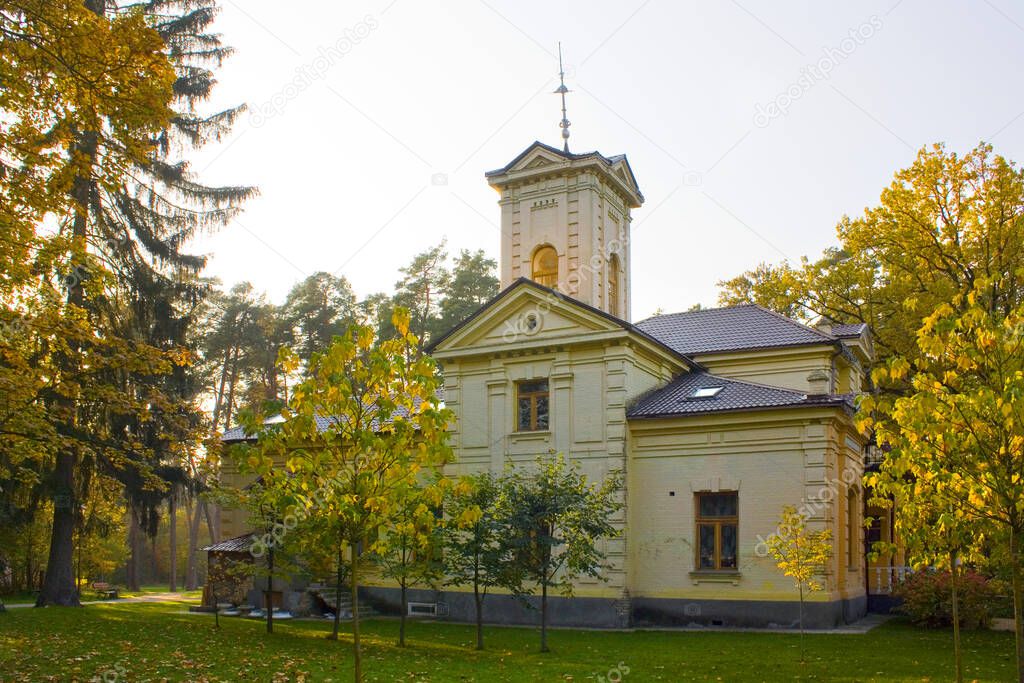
x,y
104,590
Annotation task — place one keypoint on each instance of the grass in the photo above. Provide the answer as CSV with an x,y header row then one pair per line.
x,y
150,590
89,594
162,641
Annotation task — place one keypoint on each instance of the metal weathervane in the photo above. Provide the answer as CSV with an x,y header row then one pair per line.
x,y
564,125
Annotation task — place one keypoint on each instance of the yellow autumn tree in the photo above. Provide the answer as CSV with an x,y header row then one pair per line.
x,y
801,554
957,438
362,435
942,224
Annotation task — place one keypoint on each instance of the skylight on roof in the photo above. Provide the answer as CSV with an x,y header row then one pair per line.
x,y
705,392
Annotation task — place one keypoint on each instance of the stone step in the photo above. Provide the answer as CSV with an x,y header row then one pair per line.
x,y
329,596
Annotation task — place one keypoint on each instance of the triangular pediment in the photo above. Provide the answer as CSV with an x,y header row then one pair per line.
x,y
537,156
625,172
528,316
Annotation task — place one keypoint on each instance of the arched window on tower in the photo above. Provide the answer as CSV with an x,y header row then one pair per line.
x,y
545,266
613,285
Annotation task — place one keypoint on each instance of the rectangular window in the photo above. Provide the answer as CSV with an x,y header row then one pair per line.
x,y
717,530
532,405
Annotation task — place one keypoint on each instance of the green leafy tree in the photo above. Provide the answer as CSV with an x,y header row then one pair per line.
x,y
104,94
274,506
555,520
421,290
317,309
476,548
408,550
801,554
472,284
362,429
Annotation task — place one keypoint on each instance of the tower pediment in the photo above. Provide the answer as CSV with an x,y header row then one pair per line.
x,y
540,157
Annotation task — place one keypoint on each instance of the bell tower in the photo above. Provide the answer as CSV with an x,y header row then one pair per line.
x,y
565,223
565,219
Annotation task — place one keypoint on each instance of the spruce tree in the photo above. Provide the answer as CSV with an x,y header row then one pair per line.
x,y
133,227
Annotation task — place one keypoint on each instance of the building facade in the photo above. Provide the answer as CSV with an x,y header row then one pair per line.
x,y
718,418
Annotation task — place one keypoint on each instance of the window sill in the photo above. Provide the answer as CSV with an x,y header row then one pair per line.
x,y
716,576
537,435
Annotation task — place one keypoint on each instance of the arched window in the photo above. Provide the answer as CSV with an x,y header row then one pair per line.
x,y
613,285
545,266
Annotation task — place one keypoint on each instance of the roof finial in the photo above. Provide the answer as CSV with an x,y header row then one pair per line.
x,y
564,125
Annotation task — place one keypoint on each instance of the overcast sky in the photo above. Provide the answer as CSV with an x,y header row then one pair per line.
x,y
752,126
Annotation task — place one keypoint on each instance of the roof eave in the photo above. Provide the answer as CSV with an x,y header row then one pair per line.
x,y
703,413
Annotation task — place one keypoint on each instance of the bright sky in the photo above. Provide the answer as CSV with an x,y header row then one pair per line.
x,y
373,122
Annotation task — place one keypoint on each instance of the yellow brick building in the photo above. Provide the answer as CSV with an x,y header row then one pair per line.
x,y
718,417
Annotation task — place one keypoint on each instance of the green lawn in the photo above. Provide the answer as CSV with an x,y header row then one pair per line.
x,y
154,642
89,594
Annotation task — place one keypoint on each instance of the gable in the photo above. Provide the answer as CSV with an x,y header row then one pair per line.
x,y
537,156
526,315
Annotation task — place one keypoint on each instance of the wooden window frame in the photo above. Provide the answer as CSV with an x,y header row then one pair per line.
x,y
717,523
533,396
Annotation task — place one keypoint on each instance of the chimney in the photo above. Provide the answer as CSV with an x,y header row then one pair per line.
x,y
819,383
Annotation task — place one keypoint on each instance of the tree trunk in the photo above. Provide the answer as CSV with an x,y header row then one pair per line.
x,y
357,653
192,512
59,581
405,611
132,568
1018,597
270,588
154,567
172,536
479,602
219,401
957,655
337,591
802,656
231,391
78,562
211,524
544,617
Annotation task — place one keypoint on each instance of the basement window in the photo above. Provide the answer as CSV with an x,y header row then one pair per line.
x,y
705,392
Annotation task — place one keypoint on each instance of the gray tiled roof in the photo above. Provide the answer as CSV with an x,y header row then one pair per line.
x,y
848,329
676,398
238,544
238,433
747,326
